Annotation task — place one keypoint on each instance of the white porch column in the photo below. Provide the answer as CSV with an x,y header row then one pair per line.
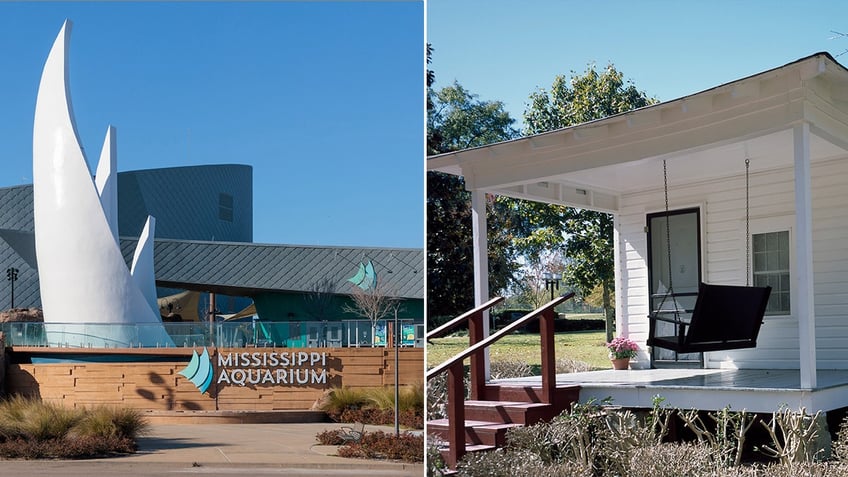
x,y
803,283
481,261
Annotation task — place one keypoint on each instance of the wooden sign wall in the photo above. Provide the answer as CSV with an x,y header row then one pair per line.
x,y
243,382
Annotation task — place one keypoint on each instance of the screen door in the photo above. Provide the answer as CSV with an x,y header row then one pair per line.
x,y
684,237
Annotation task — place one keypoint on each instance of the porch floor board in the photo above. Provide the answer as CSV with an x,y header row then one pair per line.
x,y
757,390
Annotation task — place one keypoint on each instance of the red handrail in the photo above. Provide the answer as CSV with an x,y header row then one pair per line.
x,y
470,315
453,366
475,335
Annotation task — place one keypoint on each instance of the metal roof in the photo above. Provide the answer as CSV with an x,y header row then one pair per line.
x,y
236,268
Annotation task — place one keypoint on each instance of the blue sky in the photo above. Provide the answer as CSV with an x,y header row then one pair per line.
x,y
324,100
504,50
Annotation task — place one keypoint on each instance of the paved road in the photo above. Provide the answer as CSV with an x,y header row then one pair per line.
x,y
223,450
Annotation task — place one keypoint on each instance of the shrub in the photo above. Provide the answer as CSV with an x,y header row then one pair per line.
x,y
35,420
376,405
505,369
331,437
386,417
409,397
413,398
32,429
568,365
501,463
343,398
437,392
380,445
111,422
840,446
435,463
595,440
672,460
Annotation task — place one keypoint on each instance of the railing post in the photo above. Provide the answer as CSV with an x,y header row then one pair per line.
x,y
478,365
546,334
456,414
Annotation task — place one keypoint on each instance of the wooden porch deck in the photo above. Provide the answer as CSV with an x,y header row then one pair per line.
x,y
757,390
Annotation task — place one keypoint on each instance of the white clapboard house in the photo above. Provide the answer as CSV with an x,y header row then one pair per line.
x,y
755,176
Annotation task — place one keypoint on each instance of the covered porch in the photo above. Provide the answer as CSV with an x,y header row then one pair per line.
x,y
787,128
754,390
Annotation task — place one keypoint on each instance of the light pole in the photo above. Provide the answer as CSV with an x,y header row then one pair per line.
x,y
12,276
397,375
551,283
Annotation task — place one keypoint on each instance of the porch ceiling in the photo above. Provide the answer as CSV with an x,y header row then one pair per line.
x,y
703,137
767,152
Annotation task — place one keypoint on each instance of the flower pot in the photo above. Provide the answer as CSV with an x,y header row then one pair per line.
x,y
620,363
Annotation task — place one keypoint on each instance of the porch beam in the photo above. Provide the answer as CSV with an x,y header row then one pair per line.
x,y
481,264
803,283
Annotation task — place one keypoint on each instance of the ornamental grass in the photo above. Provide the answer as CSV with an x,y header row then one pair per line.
x,y
34,429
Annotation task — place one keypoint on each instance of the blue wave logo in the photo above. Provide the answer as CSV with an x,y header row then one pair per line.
x,y
366,277
199,370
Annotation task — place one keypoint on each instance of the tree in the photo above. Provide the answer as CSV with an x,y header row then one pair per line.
x,y
532,288
319,301
463,121
456,120
374,303
585,235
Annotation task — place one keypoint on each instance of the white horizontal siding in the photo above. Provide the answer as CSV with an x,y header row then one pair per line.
x,y
723,247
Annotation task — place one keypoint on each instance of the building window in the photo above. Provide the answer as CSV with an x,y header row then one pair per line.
x,y
225,207
771,268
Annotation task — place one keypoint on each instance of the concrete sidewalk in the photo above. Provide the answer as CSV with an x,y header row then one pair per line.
x,y
225,449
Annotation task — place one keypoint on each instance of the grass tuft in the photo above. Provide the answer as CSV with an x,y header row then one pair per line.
x,y
34,429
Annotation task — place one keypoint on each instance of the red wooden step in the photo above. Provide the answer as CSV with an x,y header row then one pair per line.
x,y
476,432
508,411
468,449
505,392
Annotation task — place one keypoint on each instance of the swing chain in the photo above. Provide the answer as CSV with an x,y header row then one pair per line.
x,y
747,223
670,291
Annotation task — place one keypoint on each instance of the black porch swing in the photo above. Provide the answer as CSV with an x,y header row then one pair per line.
x,y
725,316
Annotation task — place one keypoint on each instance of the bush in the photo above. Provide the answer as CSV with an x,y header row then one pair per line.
x,y
502,463
380,445
840,446
32,429
568,365
343,398
435,463
111,422
672,460
376,405
409,397
331,437
437,392
35,420
506,369
596,440
384,417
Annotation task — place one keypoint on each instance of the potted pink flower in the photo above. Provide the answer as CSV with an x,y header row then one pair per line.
x,y
621,349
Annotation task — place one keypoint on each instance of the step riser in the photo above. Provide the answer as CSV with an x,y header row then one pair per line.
x,y
445,452
491,437
529,394
509,415
499,411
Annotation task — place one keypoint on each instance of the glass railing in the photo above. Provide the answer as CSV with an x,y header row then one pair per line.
x,y
291,334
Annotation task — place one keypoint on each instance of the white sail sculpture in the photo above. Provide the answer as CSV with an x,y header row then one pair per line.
x,y
89,296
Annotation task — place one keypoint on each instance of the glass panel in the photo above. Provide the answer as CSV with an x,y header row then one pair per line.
x,y
771,268
194,335
771,242
685,274
759,261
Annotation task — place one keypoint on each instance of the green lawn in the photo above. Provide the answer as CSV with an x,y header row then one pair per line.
x,y
586,346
